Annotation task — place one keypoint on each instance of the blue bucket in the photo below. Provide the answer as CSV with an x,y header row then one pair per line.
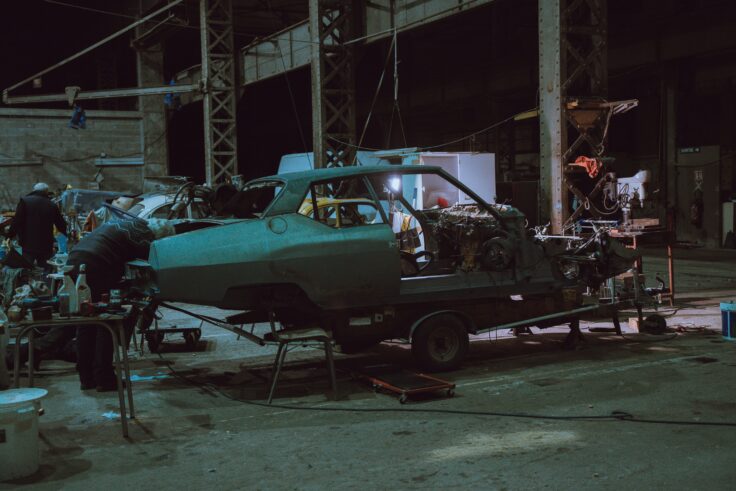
x,y
728,320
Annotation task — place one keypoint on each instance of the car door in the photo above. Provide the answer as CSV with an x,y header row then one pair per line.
x,y
339,264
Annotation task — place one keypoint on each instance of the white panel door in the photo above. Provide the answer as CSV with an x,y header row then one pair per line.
x,y
478,172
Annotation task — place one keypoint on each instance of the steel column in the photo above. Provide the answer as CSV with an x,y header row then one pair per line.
x,y
572,67
333,83
219,88
670,139
552,127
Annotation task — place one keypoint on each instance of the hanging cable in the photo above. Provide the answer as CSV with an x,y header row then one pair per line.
x,y
390,126
457,140
291,96
396,89
255,36
373,102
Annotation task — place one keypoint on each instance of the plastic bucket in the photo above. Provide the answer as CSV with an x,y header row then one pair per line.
x,y
728,320
19,451
4,335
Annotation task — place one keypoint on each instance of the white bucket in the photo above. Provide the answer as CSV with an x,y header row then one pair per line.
x,y
4,335
19,453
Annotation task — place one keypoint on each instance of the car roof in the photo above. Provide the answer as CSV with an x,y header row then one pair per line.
x,y
349,171
296,184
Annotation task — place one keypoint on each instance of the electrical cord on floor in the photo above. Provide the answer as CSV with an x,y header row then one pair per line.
x,y
614,416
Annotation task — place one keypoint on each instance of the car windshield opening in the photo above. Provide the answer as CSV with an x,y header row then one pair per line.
x,y
253,200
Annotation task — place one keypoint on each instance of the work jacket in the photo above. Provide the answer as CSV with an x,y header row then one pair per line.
x,y
34,222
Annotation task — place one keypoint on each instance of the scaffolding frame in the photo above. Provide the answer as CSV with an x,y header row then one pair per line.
x,y
331,24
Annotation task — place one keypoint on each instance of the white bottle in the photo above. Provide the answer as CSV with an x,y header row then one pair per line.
x,y
84,294
70,289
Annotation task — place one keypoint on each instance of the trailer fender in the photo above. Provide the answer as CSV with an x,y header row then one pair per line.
x,y
469,324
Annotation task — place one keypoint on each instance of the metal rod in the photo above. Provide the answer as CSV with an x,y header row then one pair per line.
x,y
102,94
94,46
218,323
534,320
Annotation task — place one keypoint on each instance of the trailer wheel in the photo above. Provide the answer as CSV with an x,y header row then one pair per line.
x,y
190,339
440,343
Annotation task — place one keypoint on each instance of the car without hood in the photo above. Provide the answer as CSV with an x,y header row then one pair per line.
x,y
417,240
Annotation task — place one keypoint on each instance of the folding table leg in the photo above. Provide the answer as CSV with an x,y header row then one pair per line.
x,y
331,367
278,363
126,367
119,376
30,357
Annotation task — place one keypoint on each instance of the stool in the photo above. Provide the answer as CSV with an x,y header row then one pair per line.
x,y
300,336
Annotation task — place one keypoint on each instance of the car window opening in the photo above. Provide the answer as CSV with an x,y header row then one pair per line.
x,y
253,200
341,203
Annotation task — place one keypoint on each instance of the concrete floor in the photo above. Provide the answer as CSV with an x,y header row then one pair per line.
x,y
193,431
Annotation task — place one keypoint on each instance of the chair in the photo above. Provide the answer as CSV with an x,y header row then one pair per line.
x,y
299,336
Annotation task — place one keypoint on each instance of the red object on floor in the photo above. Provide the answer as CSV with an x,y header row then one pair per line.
x,y
404,383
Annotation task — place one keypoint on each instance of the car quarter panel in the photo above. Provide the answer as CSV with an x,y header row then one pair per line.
x,y
336,268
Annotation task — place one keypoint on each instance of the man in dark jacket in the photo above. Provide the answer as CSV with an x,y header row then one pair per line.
x,y
104,253
34,221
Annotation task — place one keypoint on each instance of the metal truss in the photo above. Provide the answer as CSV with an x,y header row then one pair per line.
x,y
219,90
333,82
585,77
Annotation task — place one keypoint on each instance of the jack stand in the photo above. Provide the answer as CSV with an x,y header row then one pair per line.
x,y
574,337
617,324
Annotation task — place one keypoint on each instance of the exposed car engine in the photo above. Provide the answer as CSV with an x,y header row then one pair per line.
x,y
472,239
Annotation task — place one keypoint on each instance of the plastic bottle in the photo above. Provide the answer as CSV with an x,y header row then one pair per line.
x,y
70,289
84,294
62,241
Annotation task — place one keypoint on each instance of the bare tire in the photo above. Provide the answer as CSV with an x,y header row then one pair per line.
x,y
440,343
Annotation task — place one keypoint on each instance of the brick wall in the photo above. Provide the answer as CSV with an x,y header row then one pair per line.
x,y
37,145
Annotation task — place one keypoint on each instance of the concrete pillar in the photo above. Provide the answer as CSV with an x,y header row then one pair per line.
x,y
726,141
552,125
154,140
670,116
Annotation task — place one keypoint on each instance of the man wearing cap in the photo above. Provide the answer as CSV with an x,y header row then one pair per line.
x,y
34,221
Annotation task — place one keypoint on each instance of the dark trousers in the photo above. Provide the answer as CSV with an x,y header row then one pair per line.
x,y
94,344
94,356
